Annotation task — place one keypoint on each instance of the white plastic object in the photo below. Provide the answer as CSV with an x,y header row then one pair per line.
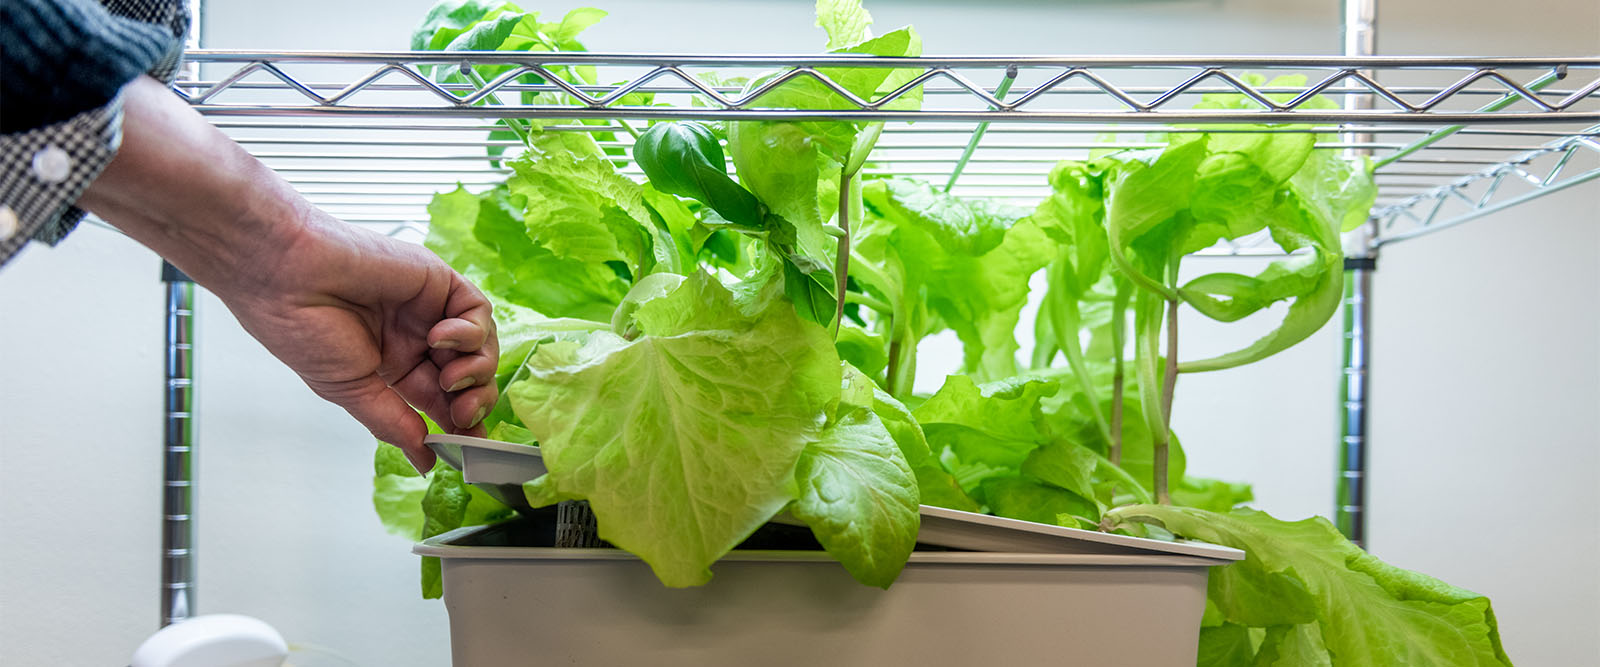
x,y
213,640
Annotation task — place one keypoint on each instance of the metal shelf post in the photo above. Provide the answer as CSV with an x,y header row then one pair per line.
x,y
177,486
1350,507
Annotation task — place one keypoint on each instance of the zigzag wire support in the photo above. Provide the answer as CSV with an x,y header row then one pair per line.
x,y
1443,157
1452,204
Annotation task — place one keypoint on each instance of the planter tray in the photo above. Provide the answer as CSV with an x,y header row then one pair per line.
x,y
500,468
514,599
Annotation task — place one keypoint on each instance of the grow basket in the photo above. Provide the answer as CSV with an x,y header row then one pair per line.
x,y
1016,593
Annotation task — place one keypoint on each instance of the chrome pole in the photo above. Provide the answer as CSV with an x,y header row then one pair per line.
x,y
177,486
177,433
1350,508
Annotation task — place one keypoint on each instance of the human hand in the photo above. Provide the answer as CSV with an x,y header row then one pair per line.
x,y
377,327
371,324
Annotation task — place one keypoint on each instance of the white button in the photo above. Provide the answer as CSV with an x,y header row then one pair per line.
x,y
8,223
52,164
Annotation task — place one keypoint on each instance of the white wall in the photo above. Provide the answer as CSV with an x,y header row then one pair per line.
x,y
1487,379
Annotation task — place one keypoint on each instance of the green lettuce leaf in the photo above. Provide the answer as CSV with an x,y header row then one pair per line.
x,y
578,207
996,422
857,492
483,237
1017,498
1294,646
1210,494
685,439
447,504
397,492
1065,465
936,486
795,168
846,22
1226,645
1368,612
965,261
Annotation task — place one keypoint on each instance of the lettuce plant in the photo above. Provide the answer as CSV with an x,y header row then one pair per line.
x,y
706,348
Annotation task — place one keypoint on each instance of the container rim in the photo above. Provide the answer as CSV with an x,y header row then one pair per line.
x,y
445,545
967,531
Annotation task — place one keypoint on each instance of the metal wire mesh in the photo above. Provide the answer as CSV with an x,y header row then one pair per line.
x,y
372,136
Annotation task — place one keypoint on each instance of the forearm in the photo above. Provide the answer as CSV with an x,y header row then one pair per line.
x,y
188,192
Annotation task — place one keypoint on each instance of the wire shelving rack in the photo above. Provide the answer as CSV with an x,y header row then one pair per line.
x,y
371,136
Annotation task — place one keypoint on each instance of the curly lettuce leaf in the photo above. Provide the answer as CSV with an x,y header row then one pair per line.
x,y
447,504
685,439
1028,500
1211,495
578,207
483,237
857,491
397,492
794,168
965,261
846,22
1307,577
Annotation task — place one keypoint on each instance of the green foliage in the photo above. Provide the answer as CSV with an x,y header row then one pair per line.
x,y
417,507
1323,600
942,261
857,490
685,159
626,425
672,346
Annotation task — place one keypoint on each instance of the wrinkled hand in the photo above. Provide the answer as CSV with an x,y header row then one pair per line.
x,y
378,326
370,323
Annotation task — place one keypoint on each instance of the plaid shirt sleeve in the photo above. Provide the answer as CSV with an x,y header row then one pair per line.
x,y
44,170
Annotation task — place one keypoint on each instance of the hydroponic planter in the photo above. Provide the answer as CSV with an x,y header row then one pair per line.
x,y
1056,596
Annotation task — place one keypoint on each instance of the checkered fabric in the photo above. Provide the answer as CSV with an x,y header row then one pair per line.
x,y
44,170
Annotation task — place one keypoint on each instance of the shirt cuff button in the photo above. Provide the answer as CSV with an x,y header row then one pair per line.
x,y
51,164
8,223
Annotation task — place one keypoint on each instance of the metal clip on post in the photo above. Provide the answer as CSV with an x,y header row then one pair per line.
x,y
1361,257
177,499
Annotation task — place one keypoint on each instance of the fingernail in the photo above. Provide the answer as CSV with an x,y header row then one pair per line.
x,y
417,466
463,383
446,344
483,411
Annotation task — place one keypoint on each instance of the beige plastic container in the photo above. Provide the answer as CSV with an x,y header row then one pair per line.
x,y
980,590
514,602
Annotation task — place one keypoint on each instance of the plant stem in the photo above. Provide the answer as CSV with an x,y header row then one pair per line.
x,y
1067,321
1119,332
511,123
1134,487
901,374
1169,383
628,128
1147,343
1119,259
1170,378
868,301
892,368
841,268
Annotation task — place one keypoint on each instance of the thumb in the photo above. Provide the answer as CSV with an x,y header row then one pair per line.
x,y
385,414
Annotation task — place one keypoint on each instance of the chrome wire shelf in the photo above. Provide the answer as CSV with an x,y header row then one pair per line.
x,y
371,136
